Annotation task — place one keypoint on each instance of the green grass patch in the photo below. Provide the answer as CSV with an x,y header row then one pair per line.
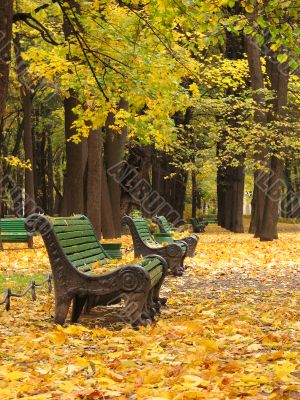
x,y
19,282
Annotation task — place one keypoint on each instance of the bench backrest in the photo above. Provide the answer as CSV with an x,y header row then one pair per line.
x,y
143,230
11,226
79,242
165,224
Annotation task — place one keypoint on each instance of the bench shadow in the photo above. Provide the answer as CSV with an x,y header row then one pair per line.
x,y
104,317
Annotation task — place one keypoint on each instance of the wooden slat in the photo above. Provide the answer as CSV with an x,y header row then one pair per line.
x,y
85,254
74,234
70,222
89,261
14,239
82,248
77,241
149,264
84,268
70,228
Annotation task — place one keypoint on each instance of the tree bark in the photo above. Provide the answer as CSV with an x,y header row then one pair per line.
x,y
279,79
30,205
108,228
195,195
50,200
230,180
113,155
94,179
6,17
76,157
76,153
260,177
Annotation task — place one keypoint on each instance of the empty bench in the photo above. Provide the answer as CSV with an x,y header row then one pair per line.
x,y
144,244
165,227
198,224
75,254
12,230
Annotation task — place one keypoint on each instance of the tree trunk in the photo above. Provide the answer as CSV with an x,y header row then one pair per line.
x,y
114,154
94,179
230,192
230,180
270,216
108,228
6,15
76,154
50,200
260,177
76,157
279,79
30,205
195,195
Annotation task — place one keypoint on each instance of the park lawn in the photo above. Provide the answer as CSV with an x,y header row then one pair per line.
x,y
231,330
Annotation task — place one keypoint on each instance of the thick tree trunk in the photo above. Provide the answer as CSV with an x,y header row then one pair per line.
x,y
76,154
260,177
230,180
279,79
114,154
76,158
231,198
94,179
270,216
135,175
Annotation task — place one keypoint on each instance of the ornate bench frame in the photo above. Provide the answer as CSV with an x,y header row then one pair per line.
x,y
172,253
191,240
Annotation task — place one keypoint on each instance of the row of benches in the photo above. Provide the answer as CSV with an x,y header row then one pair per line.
x,y
12,230
75,254
199,224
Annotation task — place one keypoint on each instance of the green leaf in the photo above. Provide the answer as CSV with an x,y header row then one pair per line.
x,y
293,64
261,22
282,58
248,30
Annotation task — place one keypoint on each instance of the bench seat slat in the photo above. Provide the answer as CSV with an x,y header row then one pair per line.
x,y
89,261
86,254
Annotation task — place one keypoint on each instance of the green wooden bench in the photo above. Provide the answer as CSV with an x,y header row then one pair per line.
x,y
144,244
198,225
166,228
12,230
74,250
210,220
113,250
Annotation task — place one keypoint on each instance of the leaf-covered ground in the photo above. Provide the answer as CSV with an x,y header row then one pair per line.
x,y
231,330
